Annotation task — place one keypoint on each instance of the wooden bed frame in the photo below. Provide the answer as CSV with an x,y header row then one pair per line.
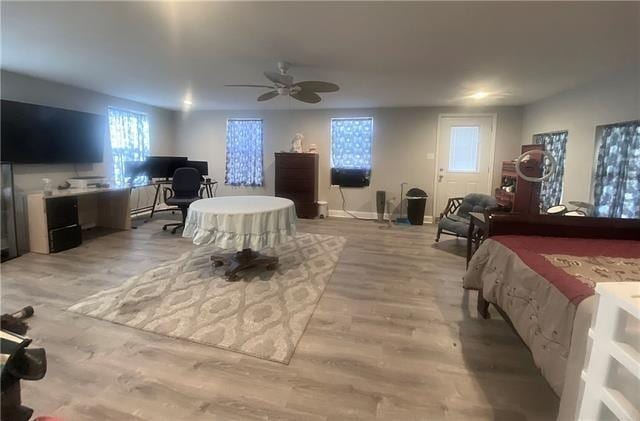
x,y
556,226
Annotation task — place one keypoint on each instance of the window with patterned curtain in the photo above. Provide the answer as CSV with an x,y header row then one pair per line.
x,y
244,152
617,176
351,140
129,136
551,188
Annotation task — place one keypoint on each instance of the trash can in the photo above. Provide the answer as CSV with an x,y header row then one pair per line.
x,y
416,203
323,209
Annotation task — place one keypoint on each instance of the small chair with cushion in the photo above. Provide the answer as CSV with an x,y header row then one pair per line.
x,y
185,189
454,220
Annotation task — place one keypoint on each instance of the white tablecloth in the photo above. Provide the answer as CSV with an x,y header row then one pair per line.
x,y
240,222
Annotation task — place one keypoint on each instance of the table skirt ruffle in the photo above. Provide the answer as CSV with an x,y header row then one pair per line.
x,y
241,230
235,241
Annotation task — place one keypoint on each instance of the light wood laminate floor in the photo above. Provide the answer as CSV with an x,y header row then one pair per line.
x,y
394,337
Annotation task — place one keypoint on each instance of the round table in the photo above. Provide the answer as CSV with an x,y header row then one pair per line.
x,y
242,223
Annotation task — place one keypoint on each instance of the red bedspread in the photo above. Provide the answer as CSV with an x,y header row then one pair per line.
x,y
531,250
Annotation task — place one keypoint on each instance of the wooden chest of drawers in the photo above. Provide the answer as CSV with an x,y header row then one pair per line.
x,y
297,179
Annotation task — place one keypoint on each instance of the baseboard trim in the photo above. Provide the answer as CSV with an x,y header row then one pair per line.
x,y
339,213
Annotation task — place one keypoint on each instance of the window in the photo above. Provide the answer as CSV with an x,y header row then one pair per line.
x,y
351,140
244,152
551,188
617,176
129,136
463,153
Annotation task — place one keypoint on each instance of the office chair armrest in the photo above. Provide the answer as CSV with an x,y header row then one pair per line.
x,y
165,191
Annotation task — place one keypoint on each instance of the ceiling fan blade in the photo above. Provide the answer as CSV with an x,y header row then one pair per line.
x,y
250,86
276,77
268,95
307,96
317,86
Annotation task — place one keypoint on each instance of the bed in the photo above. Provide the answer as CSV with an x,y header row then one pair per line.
x,y
540,272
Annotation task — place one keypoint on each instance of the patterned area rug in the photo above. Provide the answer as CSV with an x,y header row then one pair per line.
x,y
263,315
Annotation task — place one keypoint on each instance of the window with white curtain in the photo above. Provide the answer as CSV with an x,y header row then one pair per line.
x,y
351,140
129,136
463,153
244,152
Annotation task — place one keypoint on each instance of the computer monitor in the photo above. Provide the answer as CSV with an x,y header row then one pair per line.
x,y
202,166
164,166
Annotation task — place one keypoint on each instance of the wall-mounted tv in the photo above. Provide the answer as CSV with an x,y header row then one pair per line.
x,y
35,134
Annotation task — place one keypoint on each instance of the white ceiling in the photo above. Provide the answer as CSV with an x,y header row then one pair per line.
x,y
381,54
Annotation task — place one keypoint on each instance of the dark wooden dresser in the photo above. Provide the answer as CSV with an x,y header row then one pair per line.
x,y
297,179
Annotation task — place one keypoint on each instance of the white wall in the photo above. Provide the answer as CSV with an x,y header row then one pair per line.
x,y
614,98
28,177
402,139
18,87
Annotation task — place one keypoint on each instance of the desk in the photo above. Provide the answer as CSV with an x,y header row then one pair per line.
x,y
476,234
210,187
65,212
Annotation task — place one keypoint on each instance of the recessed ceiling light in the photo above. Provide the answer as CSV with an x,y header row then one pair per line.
x,y
479,95
187,102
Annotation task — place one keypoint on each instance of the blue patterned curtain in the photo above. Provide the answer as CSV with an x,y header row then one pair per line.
x,y
617,177
351,140
129,135
244,153
551,188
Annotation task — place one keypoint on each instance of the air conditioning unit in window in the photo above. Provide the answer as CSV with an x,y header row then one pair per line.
x,y
350,177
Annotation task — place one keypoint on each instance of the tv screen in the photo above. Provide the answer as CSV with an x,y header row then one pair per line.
x,y
35,134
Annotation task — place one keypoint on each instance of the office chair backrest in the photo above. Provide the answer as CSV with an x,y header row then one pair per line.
x,y
186,182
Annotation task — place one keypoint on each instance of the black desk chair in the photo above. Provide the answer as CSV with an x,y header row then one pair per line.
x,y
185,189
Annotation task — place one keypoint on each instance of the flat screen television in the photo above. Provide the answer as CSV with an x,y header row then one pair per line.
x,y
35,134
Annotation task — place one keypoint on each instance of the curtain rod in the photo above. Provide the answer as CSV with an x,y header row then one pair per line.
x,y
618,124
556,132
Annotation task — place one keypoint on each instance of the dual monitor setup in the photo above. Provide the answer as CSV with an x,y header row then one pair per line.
x,y
163,167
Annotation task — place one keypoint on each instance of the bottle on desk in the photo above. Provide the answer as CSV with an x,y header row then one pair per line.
x,y
48,187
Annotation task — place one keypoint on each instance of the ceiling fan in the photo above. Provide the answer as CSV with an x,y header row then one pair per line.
x,y
282,84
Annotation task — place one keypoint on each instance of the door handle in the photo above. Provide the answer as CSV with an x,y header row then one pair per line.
x,y
440,175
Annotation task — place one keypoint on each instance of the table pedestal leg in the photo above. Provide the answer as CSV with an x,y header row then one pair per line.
x,y
241,260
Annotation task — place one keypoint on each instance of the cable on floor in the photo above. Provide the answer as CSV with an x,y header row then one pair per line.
x,y
344,208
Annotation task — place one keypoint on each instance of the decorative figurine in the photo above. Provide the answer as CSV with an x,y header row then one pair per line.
x,y
296,143
313,148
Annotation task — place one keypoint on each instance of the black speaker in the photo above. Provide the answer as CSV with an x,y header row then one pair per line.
x,y
381,199
350,177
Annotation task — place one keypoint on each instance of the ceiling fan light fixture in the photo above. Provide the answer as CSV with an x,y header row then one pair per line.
x,y
283,85
479,95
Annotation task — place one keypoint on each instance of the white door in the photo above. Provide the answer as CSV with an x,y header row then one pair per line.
x,y
465,156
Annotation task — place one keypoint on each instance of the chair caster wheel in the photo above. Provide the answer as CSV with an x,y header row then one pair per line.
x,y
218,263
271,266
164,228
232,278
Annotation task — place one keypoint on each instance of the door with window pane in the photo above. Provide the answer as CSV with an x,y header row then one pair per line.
x,y
464,156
